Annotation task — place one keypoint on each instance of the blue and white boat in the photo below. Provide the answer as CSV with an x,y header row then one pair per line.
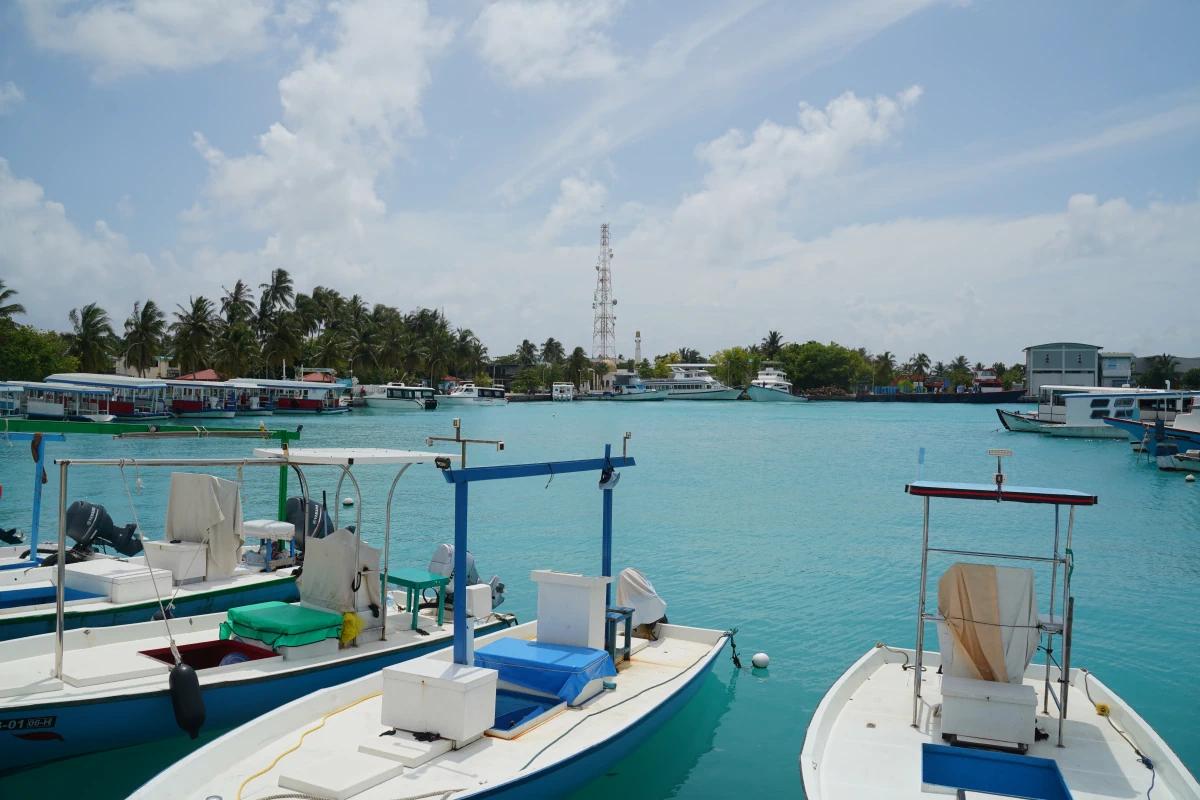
x,y
202,399
1183,431
772,386
130,399
65,402
978,717
94,689
10,399
535,711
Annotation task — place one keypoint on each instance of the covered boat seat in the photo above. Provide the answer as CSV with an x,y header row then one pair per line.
x,y
989,620
573,674
277,624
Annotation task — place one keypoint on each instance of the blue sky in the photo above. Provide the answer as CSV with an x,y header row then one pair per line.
x,y
907,175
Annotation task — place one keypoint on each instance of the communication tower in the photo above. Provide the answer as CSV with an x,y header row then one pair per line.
x,y
604,336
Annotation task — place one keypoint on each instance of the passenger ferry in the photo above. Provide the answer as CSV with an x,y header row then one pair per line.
x,y
772,386
65,401
471,395
10,399
1052,408
132,399
692,382
296,397
203,399
401,397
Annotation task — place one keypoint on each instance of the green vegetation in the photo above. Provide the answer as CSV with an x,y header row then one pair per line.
x,y
1159,370
27,354
1191,379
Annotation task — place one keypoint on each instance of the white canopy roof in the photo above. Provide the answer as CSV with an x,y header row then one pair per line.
x,y
265,383
207,384
68,388
94,379
351,455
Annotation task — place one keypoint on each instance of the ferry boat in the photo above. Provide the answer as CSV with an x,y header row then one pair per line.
x,y
10,399
202,399
978,717
468,394
398,396
631,388
1086,414
692,382
772,386
132,399
564,392
65,401
1052,406
296,397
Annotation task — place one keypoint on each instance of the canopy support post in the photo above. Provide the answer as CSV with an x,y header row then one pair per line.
x,y
460,574
283,492
1050,636
387,545
60,594
40,461
917,666
606,549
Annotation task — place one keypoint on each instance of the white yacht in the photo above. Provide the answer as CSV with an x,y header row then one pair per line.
x,y
398,396
692,382
772,386
563,391
471,395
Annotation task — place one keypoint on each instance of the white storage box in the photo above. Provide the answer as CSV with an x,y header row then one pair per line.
x,y
186,560
570,608
479,600
268,529
119,581
1005,713
430,696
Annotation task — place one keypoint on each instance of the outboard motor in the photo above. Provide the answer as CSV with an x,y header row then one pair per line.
x,y
89,524
319,523
442,563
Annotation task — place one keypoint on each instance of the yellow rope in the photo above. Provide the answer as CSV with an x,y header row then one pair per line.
x,y
306,733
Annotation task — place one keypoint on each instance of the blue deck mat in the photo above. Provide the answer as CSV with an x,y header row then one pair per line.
x,y
555,669
20,596
992,773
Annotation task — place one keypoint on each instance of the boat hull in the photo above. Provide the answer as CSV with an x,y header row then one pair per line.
x,y
1017,422
141,415
1140,433
395,403
254,412
450,400
207,414
762,394
638,397
1083,431
92,725
16,626
704,394
72,417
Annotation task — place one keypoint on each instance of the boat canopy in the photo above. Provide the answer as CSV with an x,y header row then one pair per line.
x,y
206,384
12,388
263,383
114,381
349,456
1010,494
70,388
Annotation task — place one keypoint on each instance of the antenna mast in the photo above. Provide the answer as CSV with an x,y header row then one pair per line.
x,y
604,336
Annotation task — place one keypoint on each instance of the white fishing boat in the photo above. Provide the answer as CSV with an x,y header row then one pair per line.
x,y
1019,421
202,399
693,382
65,401
468,394
535,711
772,386
130,399
562,392
401,397
979,718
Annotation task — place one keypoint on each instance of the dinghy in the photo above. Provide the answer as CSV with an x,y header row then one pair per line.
x,y
535,711
979,718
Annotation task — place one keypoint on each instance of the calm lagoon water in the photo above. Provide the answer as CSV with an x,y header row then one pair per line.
x,y
789,523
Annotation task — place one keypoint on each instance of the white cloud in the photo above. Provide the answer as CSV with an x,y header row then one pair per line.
x,y
125,206
529,43
120,37
10,95
578,197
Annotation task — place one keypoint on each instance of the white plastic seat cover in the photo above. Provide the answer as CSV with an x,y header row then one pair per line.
x,y
635,591
330,571
207,510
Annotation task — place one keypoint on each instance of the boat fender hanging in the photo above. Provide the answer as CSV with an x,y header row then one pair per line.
x,y
186,699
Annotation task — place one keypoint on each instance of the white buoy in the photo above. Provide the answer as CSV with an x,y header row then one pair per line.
x,y
1190,479
347,501
760,661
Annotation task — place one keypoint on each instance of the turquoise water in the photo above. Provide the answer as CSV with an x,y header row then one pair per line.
x,y
787,522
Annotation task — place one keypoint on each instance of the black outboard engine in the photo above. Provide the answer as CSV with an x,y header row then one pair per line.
x,y
89,525
430,403
442,563
319,523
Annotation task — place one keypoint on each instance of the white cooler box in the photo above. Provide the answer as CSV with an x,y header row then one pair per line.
x,y
429,695
187,561
1001,712
119,581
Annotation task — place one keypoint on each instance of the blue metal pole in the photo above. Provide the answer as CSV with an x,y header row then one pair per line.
x,y
37,502
606,556
460,573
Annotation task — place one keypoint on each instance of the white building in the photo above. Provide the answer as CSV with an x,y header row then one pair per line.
x,y
1116,369
1061,364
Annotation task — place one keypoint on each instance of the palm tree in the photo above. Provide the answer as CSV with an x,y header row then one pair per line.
x,y
364,344
960,363
553,351
1160,369
278,292
885,365
193,330
237,305
9,310
772,343
92,338
601,369
329,350
281,338
527,353
143,339
920,364
999,368
578,364
438,353
234,350
688,356
939,369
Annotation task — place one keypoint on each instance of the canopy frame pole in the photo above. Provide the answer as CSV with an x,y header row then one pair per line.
x,y
460,573
920,655
60,593
607,535
1068,608
1050,636
387,548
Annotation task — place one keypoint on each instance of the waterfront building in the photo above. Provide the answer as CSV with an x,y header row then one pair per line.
x,y
1061,364
1116,369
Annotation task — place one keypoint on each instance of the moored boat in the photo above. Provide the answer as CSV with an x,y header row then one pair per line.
x,y
10,399
772,386
202,399
693,382
1019,421
468,394
400,397
65,401
563,392
295,397
130,399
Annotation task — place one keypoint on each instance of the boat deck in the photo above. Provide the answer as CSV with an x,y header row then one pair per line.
x,y
350,756
870,750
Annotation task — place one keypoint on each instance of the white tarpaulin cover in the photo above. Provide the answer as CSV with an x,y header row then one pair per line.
x,y
206,510
636,592
992,615
330,572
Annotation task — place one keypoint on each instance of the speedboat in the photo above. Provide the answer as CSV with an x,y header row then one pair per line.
x,y
772,386
400,397
692,382
977,716
468,394
93,689
535,711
